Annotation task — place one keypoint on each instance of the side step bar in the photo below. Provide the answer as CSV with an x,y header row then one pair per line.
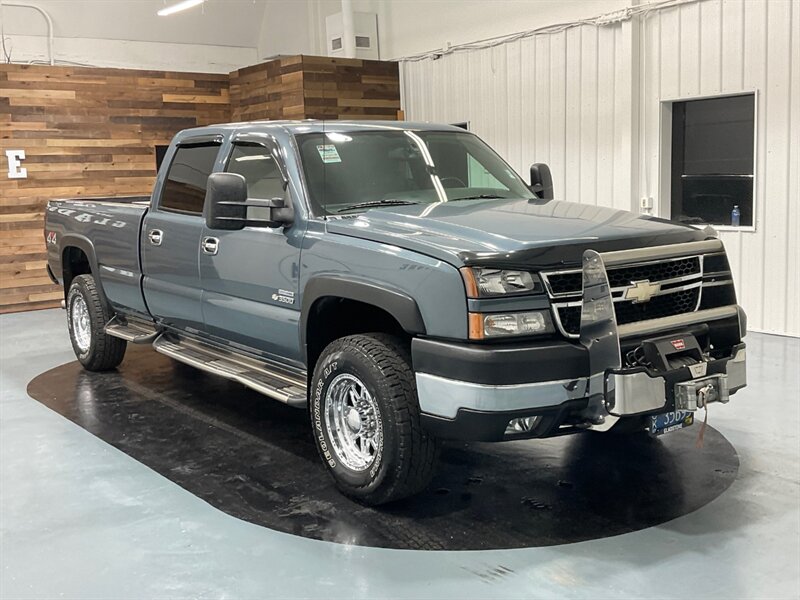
x,y
268,379
134,331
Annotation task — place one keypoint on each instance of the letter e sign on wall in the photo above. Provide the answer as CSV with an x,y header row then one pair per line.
x,y
15,169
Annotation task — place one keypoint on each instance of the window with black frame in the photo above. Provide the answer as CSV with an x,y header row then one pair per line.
x,y
713,160
184,190
257,165
356,170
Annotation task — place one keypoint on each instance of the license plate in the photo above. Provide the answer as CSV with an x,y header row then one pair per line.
x,y
671,421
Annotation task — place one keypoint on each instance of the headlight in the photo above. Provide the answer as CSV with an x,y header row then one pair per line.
x,y
482,282
492,325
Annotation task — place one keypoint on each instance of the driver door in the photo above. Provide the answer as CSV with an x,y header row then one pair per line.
x,y
250,276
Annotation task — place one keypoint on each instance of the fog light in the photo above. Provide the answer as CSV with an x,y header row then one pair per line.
x,y
522,425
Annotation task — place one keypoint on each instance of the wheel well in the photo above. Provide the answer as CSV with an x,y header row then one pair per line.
x,y
74,262
331,318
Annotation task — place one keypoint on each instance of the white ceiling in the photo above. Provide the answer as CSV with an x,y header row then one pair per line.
x,y
137,20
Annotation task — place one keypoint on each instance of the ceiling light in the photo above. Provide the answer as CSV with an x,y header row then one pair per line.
x,y
170,10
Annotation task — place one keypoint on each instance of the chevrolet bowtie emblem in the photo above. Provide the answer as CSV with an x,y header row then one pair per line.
x,y
641,291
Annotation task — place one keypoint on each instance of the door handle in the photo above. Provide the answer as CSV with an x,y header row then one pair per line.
x,y
156,236
210,245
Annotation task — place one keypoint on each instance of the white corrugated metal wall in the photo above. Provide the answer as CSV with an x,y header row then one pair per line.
x,y
589,101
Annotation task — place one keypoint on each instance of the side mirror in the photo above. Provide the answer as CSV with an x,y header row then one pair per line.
x,y
226,201
541,181
227,206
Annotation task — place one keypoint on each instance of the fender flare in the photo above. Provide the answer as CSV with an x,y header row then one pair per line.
x,y
398,304
74,240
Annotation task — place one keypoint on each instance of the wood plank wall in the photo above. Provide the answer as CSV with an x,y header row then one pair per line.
x,y
272,90
341,88
92,132
85,132
316,87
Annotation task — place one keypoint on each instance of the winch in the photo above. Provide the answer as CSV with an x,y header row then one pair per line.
x,y
669,353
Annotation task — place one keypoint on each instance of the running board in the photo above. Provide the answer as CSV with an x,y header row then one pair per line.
x,y
268,379
134,331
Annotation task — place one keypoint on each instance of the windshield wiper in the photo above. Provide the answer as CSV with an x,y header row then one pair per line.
x,y
385,202
478,197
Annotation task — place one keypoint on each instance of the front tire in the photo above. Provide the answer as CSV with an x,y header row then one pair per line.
x,y
87,316
365,418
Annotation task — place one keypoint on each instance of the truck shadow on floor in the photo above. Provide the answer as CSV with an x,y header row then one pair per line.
x,y
255,459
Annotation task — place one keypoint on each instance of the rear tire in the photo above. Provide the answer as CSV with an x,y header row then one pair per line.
x,y
87,316
365,418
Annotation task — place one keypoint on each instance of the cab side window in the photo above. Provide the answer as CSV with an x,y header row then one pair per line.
x,y
187,179
257,165
264,181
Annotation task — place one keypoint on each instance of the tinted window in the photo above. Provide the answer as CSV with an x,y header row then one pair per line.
x,y
255,163
423,167
161,154
462,162
712,159
185,188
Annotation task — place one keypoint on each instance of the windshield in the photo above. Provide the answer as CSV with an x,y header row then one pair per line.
x,y
349,172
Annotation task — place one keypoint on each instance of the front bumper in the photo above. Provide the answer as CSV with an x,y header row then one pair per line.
x,y
471,391
469,410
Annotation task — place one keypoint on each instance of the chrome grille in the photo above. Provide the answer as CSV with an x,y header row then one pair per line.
x,y
671,269
678,290
627,312
565,283
568,283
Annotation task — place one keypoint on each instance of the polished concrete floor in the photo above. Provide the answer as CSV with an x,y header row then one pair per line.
x,y
80,518
257,460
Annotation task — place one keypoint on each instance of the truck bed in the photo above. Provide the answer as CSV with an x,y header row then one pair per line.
x,y
107,230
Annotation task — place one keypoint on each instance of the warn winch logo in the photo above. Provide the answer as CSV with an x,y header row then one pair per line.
x,y
678,344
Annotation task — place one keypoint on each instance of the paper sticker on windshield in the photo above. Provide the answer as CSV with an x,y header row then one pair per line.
x,y
328,153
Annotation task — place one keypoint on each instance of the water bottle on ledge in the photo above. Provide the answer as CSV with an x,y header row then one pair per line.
x,y
736,216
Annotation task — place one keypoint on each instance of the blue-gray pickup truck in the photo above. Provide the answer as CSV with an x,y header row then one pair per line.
x,y
401,283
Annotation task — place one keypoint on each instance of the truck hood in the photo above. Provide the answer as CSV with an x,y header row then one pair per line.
x,y
511,232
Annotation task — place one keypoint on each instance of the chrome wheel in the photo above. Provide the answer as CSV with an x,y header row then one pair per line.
x,y
353,422
81,324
